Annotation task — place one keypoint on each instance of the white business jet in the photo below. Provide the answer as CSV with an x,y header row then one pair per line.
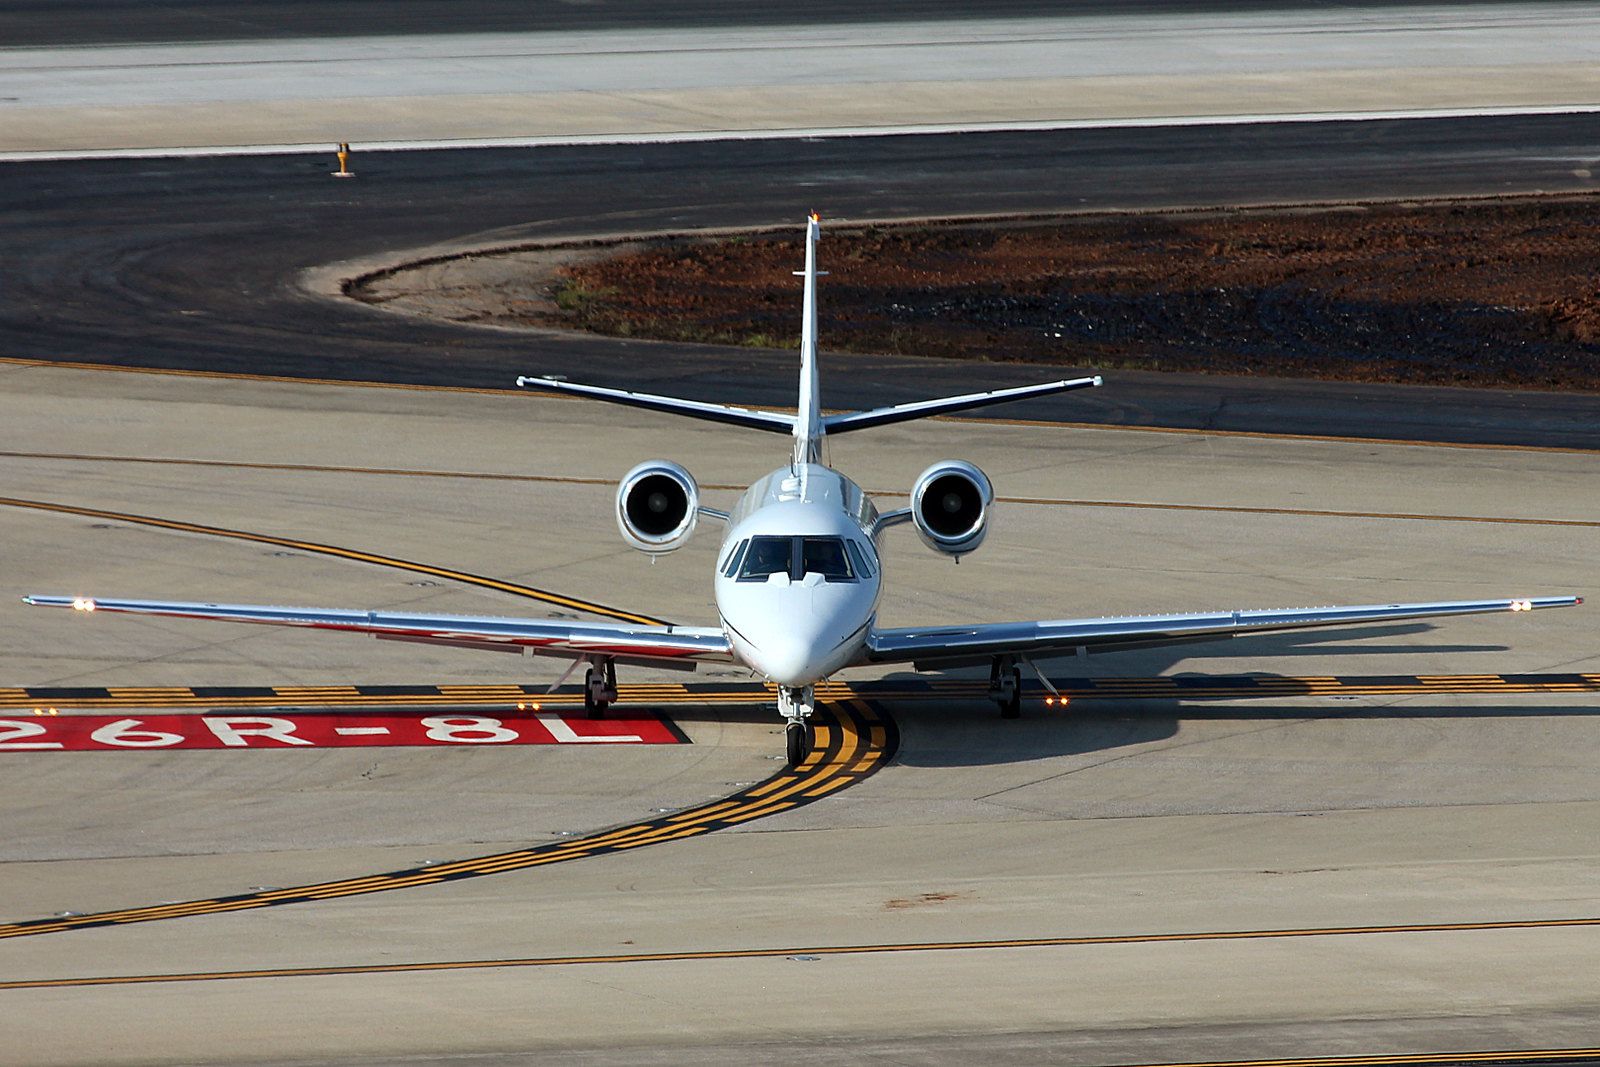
x,y
800,575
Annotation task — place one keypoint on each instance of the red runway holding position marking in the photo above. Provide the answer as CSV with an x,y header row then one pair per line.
x,y
109,733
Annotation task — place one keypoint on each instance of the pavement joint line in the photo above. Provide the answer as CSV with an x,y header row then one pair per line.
x,y
982,420
870,949
1032,501
1380,1060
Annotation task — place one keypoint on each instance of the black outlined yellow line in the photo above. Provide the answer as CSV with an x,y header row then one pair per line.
x,y
513,697
340,553
1257,687
853,742
810,950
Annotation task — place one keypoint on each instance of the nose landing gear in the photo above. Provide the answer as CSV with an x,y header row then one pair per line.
x,y
798,742
599,687
796,706
1005,686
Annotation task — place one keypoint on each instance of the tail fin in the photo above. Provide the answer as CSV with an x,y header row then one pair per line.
x,y
808,424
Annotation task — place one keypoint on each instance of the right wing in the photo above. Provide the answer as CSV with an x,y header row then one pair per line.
x,y
657,645
953,646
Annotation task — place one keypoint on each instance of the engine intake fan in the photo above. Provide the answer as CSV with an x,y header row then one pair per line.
x,y
950,504
658,504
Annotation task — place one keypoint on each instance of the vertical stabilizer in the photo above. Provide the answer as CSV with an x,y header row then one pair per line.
x,y
808,427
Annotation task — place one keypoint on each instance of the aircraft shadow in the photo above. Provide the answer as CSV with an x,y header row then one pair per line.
x,y
967,730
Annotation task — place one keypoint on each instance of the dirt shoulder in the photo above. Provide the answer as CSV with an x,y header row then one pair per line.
x,y
1501,293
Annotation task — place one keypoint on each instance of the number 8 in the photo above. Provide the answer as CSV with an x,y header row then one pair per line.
x,y
458,728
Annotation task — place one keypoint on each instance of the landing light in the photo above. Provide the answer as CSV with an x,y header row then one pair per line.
x,y
1522,605
83,603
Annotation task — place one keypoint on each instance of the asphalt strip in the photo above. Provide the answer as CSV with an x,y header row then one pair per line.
x,y
704,136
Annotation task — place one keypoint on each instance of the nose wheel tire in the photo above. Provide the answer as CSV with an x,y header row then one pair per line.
x,y
799,742
1011,705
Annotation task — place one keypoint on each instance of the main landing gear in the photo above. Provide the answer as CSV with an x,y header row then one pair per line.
x,y
599,687
1005,686
796,706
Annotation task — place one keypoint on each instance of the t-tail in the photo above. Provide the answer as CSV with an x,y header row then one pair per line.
x,y
808,425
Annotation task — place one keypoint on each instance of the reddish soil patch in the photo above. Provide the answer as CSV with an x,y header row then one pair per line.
x,y
1490,293
1500,293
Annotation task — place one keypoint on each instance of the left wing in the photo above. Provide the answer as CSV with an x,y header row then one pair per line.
x,y
656,645
951,646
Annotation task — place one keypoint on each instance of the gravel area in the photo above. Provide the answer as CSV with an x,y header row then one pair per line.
x,y
1489,292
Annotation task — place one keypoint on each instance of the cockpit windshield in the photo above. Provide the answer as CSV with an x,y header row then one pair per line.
x,y
796,557
825,556
767,556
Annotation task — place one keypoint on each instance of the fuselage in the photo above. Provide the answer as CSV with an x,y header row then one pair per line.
x,y
798,576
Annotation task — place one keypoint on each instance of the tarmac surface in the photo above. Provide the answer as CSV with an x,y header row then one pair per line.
x,y
1402,806
1388,848
864,75
25,23
200,263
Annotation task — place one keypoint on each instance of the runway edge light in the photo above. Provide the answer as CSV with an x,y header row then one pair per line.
x,y
343,153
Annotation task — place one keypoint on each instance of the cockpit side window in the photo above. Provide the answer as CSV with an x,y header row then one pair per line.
x,y
858,556
825,556
766,556
734,557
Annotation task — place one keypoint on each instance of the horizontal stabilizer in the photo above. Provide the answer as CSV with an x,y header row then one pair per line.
x,y
921,409
770,421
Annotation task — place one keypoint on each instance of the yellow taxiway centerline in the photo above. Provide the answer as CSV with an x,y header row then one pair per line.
x,y
830,950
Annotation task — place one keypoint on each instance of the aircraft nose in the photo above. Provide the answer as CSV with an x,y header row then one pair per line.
x,y
795,634
787,659
791,646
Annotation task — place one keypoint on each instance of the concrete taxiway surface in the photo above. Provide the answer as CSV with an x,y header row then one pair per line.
x,y
1115,820
366,85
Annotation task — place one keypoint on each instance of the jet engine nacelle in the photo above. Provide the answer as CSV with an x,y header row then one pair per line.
x,y
658,504
950,505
